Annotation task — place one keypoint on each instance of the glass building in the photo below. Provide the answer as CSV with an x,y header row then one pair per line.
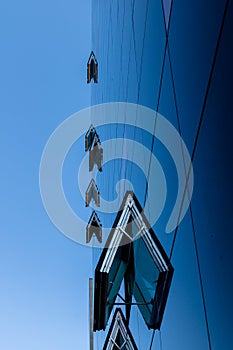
x,y
174,57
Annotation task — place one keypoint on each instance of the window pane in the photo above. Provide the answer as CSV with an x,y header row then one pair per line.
x,y
146,271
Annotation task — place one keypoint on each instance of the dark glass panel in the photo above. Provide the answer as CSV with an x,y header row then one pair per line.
x,y
107,285
148,57
146,271
212,201
193,35
167,109
184,310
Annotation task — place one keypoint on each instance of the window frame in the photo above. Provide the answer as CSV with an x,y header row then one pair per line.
x,y
119,324
120,243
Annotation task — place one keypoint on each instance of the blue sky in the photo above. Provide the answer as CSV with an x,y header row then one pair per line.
x,y
44,284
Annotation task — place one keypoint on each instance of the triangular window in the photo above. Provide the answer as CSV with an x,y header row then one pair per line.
x,y
119,336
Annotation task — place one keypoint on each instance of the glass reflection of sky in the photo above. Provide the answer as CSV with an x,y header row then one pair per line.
x,y
129,41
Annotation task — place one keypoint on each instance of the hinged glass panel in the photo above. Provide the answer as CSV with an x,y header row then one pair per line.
x,y
132,252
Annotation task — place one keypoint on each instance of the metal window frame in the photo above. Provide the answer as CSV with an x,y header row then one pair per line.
x,y
94,227
92,194
119,324
91,138
118,239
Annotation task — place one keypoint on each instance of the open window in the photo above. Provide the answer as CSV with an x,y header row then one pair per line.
x,y
96,156
92,68
91,138
94,227
119,336
108,278
93,145
134,253
92,193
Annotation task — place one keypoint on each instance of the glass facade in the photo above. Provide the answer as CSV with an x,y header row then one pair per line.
x,y
176,58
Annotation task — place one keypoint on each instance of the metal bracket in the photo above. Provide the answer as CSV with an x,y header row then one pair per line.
x,y
125,303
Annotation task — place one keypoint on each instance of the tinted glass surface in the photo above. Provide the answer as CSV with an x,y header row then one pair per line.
x,y
194,30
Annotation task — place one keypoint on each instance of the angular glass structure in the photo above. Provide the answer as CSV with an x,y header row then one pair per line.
x,y
92,193
133,253
94,227
119,336
92,68
91,138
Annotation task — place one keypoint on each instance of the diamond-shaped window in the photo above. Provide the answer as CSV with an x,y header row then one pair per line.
x,y
134,253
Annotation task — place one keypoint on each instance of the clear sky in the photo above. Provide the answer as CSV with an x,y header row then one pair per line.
x,y
44,281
